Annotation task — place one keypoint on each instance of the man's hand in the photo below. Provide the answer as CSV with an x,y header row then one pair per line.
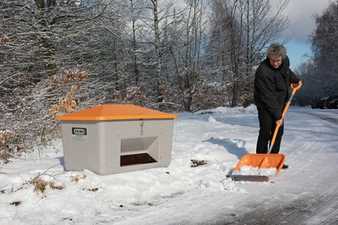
x,y
297,86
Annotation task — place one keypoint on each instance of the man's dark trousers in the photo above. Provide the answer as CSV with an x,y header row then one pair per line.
x,y
267,126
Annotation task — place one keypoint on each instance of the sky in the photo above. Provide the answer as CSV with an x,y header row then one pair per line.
x,y
301,15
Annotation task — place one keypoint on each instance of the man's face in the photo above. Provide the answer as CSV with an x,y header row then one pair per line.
x,y
275,61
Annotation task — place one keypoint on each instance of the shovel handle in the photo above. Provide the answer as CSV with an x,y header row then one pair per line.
x,y
279,122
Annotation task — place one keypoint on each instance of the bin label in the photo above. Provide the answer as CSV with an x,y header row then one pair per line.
x,y
80,131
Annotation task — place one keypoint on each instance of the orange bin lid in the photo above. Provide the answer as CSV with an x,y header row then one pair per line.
x,y
115,112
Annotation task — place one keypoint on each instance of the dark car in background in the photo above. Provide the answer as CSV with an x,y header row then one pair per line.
x,y
328,102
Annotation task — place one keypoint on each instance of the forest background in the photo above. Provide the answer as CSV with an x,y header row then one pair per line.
x,y
60,56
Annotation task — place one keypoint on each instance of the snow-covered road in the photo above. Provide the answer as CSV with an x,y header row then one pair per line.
x,y
310,186
306,193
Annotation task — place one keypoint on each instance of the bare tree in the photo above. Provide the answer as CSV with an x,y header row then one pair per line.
x,y
263,25
157,42
133,12
320,72
189,76
248,27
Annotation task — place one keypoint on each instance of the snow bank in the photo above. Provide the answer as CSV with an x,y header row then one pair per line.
x,y
231,110
85,193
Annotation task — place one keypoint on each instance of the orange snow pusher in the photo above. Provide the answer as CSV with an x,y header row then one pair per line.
x,y
264,161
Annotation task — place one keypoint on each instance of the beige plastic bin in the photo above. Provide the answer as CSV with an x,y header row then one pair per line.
x,y
115,138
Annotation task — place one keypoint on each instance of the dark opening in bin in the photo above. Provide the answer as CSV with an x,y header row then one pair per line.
x,y
140,150
142,158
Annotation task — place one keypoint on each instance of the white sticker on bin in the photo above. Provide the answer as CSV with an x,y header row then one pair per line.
x,y
80,131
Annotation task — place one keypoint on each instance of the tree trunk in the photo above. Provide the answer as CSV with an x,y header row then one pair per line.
x,y
157,49
134,45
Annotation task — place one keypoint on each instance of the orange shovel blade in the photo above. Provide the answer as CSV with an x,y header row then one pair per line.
x,y
261,161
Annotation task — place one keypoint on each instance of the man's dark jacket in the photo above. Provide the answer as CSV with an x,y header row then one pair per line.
x,y
272,86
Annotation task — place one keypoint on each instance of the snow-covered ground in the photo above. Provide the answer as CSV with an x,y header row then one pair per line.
x,y
181,194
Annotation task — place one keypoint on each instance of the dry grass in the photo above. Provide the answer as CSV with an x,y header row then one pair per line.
x,y
39,184
77,178
4,39
5,139
68,103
